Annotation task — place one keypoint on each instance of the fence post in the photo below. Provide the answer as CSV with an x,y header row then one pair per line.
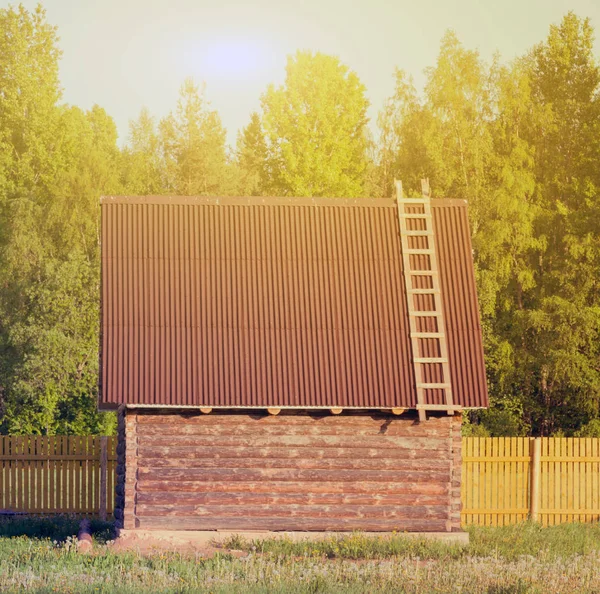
x,y
535,479
103,468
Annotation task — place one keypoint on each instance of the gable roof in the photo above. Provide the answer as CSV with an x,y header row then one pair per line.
x,y
276,302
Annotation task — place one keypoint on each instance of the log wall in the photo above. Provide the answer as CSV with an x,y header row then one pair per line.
x,y
238,471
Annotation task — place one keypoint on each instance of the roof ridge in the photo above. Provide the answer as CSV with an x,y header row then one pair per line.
x,y
268,201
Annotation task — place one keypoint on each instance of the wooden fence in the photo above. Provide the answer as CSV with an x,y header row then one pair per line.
x,y
504,480
58,474
550,480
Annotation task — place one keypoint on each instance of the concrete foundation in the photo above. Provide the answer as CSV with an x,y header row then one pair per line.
x,y
201,538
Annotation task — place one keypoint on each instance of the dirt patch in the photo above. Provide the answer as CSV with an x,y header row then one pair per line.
x,y
149,544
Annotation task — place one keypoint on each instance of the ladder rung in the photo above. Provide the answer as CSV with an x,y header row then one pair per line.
x,y
418,233
427,335
439,407
433,386
415,251
423,291
415,215
422,272
430,360
425,314
413,200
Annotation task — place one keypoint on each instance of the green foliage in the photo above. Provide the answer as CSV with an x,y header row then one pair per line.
x,y
520,142
142,164
193,146
251,158
315,129
591,429
62,159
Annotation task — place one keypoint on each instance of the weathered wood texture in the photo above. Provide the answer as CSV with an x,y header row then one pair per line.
x,y
552,480
43,474
230,471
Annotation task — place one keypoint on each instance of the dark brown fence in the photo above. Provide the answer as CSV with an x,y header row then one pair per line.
x,y
58,474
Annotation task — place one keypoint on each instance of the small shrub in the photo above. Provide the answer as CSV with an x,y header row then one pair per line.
x,y
235,542
56,527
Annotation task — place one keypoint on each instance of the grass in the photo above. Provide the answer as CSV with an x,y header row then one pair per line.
x,y
512,560
508,543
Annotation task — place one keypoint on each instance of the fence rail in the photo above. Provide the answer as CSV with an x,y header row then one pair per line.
x,y
550,480
57,474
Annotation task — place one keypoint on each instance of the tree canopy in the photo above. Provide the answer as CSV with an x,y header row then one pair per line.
x,y
520,141
315,130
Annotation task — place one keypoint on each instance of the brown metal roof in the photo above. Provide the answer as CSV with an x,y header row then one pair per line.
x,y
275,302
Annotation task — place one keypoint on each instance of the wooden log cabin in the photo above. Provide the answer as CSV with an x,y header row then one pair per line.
x,y
289,364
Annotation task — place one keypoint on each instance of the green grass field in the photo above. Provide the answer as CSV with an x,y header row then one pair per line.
x,y
517,559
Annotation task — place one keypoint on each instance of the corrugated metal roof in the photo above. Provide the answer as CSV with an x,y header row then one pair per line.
x,y
275,302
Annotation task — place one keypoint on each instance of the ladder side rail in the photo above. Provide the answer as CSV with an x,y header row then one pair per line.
x,y
443,341
411,319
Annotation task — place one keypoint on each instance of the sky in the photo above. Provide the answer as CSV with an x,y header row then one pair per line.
x,y
127,54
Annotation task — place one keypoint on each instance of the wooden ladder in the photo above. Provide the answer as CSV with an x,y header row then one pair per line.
x,y
432,273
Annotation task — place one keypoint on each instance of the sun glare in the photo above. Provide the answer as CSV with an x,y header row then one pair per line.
x,y
227,58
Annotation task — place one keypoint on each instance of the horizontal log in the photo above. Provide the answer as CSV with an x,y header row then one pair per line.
x,y
149,485
246,429
168,497
294,511
299,524
267,474
191,451
168,461
260,416
299,441
323,416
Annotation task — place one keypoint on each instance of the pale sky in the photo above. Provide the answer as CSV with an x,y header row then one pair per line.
x,y
127,54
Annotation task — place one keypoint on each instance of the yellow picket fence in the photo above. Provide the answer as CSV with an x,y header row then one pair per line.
x,y
550,480
57,474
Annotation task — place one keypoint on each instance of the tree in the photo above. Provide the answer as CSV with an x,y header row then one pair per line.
x,y
51,306
502,138
142,164
405,125
563,324
193,146
29,90
250,158
57,161
315,129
